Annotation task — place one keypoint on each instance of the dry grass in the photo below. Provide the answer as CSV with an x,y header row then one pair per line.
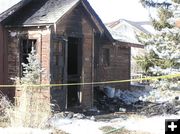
x,y
112,130
32,107
56,131
30,110
5,110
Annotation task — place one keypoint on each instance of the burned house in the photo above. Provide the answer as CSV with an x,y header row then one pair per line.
x,y
73,46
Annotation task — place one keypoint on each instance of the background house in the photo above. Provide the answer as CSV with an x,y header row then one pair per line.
x,y
127,31
73,46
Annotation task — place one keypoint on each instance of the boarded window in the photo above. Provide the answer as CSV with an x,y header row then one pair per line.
x,y
57,53
106,57
119,52
26,48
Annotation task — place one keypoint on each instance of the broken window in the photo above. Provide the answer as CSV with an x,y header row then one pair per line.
x,y
106,56
26,48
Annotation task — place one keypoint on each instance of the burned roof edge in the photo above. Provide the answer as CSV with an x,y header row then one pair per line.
x,y
13,9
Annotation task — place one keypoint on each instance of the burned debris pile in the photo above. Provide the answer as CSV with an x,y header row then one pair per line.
x,y
168,107
106,104
117,104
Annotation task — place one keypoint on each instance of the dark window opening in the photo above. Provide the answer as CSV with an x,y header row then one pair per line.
x,y
74,68
74,56
26,48
106,57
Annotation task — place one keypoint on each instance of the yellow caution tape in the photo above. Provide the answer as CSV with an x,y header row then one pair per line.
x,y
170,76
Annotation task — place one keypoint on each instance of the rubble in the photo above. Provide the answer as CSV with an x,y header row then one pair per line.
x,y
69,115
106,104
122,101
168,107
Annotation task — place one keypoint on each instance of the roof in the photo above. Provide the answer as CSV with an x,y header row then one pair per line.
x,y
38,12
139,25
41,12
126,31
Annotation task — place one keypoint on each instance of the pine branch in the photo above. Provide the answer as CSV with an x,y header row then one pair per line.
x,y
151,3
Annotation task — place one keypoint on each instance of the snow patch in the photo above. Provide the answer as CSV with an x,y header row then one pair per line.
x,y
127,96
81,126
130,97
21,130
160,96
153,125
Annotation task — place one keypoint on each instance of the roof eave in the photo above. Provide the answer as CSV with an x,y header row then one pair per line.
x,y
31,25
129,44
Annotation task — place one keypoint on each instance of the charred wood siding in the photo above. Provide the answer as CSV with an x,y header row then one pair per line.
x,y
1,56
13,58
118,68
4,63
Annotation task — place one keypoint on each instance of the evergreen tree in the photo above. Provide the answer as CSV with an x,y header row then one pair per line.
x,y
162,54
32,71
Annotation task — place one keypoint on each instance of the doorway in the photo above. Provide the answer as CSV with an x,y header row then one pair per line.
x,y
74,69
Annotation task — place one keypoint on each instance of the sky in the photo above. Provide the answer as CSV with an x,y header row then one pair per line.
x,y
108,10
111,10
